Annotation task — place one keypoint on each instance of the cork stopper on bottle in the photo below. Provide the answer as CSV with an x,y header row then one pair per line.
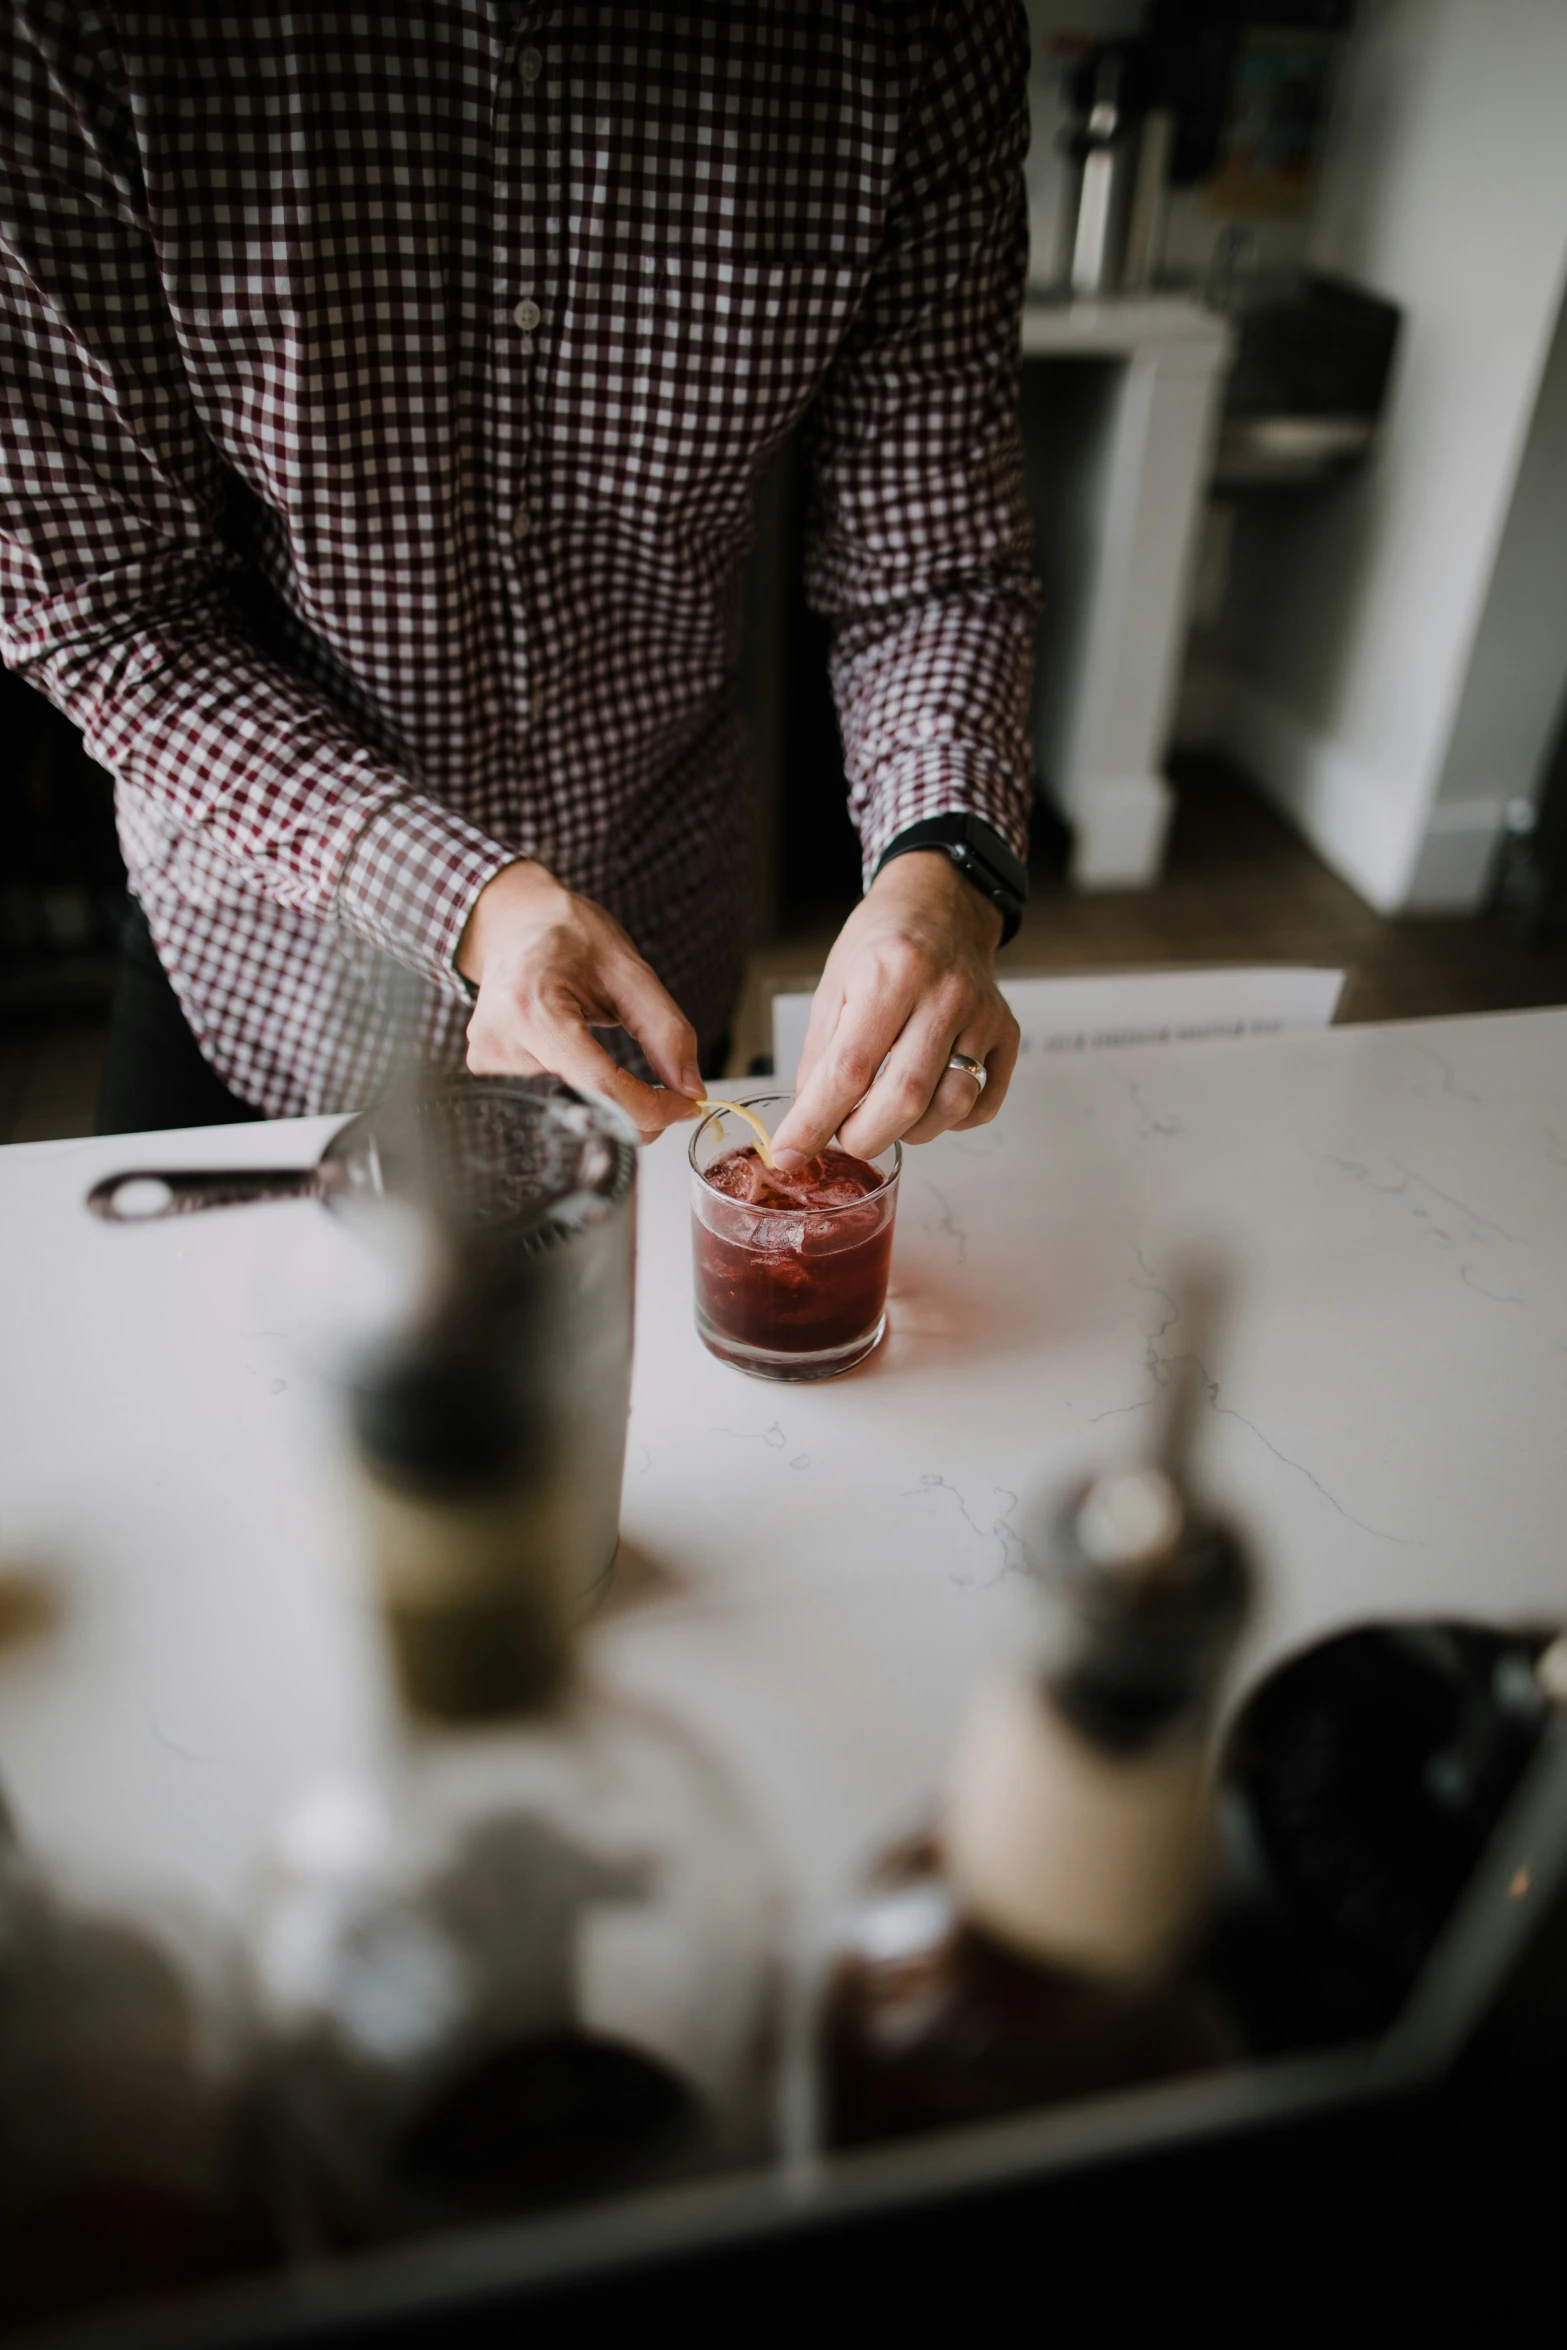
x,y
1151,1594
1078,1827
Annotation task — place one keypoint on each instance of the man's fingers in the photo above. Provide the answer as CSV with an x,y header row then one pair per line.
x,y
582,1061
843,1075
648,1012
1000,1062
919,1095
553,967
953,1103
870,1019
960,1102
558,1040
905,1091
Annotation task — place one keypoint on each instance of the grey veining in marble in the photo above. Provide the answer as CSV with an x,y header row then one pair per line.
x,y
815,1575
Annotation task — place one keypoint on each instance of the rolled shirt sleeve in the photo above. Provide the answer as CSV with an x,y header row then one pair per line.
x,y
919,547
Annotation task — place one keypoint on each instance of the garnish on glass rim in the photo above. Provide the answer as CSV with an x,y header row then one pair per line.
x,y
764,1141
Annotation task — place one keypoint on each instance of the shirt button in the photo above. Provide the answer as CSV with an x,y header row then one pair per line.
x,y
527,315
521,523
530,65
536,702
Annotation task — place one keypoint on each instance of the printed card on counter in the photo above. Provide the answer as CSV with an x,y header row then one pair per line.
x,y
1112,1011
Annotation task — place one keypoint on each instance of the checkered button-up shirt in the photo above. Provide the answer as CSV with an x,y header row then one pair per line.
x,y
385,396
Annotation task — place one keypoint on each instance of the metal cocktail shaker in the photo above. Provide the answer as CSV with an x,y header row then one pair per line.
x,y
490,1413
496,1223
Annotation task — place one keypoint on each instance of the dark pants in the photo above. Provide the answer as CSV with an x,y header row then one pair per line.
x,y
153,1070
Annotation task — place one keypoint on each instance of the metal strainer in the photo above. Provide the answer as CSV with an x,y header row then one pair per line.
x,y
510,1160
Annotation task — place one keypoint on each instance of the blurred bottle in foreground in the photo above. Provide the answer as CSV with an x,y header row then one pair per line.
x,y
530,1959
124,2157
1036,1946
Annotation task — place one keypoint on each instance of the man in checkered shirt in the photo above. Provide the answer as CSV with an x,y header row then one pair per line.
x,y
386,396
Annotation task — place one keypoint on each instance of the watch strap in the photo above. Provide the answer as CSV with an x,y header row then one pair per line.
x,y
980,855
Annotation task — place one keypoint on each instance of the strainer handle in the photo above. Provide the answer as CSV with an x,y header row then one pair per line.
x,y
145,1195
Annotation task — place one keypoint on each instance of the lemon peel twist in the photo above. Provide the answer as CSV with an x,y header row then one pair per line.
x,y
764,1141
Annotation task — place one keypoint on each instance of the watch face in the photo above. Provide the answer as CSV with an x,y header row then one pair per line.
x,y
983,869
985,849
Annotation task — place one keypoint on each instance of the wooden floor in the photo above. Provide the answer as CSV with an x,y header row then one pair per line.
x,y
1238,888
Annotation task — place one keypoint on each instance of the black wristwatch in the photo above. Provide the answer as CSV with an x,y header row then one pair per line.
x,y
980,855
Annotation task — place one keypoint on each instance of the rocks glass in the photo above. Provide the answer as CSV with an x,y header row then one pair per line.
x,y
791,1266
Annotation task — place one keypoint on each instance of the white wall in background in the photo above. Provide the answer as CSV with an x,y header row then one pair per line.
x,y
1517,676
1358,612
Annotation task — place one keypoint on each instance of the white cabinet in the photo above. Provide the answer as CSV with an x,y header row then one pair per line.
x,y
1120,404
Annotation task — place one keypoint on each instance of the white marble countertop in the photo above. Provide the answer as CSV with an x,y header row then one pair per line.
x,y
814,1574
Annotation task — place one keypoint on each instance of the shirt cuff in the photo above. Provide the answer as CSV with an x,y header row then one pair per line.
x,y
946,780
411,883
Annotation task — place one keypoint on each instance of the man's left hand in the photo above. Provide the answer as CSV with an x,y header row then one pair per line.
x,y
910,981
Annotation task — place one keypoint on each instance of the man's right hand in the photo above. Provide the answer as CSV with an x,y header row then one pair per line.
x,y
550,967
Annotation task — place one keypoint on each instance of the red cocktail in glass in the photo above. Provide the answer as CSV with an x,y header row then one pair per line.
x,y
791,1264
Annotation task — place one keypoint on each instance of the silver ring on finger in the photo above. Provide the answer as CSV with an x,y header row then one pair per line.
x,y
967,1066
